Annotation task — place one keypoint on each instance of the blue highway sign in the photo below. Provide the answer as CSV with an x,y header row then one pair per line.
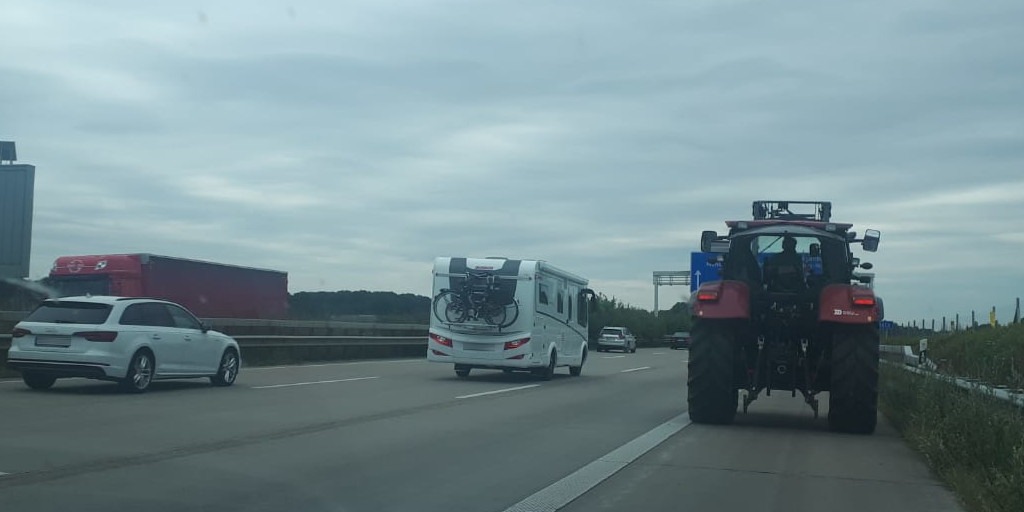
x,y
702,271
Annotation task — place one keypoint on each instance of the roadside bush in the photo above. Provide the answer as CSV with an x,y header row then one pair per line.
x,y
974,442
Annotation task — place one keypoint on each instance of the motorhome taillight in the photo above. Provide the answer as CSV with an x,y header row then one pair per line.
x,y
20,333
441,340
509,345
105,336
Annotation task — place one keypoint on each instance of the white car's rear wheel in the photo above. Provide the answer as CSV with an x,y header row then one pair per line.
x,y
140,372
227,372
37,380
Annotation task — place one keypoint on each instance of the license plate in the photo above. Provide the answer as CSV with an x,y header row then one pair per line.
x,y
479,347
53,341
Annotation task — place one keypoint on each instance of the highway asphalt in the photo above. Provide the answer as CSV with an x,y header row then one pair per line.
x,y
407,435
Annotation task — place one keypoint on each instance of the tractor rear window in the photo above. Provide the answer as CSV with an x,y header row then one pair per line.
x,y
69,312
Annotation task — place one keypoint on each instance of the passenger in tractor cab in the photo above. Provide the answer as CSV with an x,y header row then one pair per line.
x,y
784,272
814,267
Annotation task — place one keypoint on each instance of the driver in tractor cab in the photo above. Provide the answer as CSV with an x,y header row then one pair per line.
x,y
784,272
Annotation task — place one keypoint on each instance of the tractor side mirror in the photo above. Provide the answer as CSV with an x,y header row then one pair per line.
x,y
706,239
711,242
870,242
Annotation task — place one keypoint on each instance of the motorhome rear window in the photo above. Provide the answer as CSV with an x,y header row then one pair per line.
x,y
70,312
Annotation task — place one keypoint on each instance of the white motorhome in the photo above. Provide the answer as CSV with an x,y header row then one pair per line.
x,y
503,314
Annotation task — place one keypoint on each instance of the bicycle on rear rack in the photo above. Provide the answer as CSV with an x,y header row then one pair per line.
x,y
476,299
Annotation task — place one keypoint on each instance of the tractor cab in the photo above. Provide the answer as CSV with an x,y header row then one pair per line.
x,y
789,254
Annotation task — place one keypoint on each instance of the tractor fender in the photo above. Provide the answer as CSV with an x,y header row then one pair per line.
x,y
849,304
721,300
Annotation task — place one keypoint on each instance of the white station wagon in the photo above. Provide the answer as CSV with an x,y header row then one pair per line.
x,y
132,341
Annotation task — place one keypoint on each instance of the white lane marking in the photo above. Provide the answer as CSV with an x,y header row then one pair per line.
x,y
258,368
685,361
9,381
313,382
636,369
560,493
657,353
614,357
496,391
2,473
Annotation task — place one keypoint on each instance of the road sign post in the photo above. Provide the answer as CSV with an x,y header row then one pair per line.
x,y
668,278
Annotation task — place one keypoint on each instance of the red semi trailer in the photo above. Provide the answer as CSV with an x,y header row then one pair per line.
x,y
210,290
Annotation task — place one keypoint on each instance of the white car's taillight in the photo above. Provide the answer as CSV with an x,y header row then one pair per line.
x,y
105,336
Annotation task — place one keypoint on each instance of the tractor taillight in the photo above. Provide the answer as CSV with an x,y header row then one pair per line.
x,y
707,295
441,340
863,300
509,345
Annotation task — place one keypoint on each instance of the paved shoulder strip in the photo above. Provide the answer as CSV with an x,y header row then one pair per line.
x,y
560,493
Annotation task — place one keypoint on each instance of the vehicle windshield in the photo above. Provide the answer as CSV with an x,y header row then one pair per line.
x,y
70,312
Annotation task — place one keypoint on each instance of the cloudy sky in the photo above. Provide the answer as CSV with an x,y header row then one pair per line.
x,y
350,143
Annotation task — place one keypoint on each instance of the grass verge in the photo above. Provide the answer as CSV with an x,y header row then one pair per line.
x,y
973,442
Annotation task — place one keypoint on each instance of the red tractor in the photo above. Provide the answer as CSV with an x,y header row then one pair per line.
x,y
789,314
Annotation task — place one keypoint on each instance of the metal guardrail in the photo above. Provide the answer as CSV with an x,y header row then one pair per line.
x,y
329,324
258,341
905,354
912,363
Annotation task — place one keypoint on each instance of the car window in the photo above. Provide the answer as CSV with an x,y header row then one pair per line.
x,y
150,314
65,312
543,293
183,319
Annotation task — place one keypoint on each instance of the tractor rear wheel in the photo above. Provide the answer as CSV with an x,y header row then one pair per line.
x,y
711,394
853,398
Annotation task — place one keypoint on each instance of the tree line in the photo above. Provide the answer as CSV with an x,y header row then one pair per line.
x,y
381,306
648,328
